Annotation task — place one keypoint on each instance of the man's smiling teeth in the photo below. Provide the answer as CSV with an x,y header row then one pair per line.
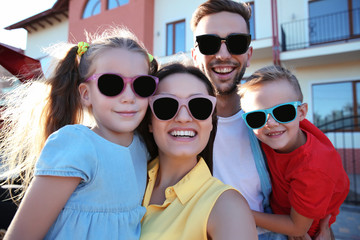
x,y
183,133
223,69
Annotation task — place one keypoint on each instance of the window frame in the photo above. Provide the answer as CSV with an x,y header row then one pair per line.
x,y
96,3
355,99
118,5
174,36
252,5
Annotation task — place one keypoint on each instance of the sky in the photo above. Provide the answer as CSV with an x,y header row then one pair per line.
x,y
13,11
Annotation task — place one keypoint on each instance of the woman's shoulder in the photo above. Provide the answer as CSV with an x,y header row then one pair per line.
x,y
226,194
218,194
230,198
231,216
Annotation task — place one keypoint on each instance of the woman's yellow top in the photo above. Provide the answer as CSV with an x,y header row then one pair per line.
x,y
185,212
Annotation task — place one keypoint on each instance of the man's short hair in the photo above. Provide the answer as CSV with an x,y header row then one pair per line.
x,y
216,6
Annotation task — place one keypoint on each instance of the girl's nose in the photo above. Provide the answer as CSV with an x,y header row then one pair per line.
x,y
127,96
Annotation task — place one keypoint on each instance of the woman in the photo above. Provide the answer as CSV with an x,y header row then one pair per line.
x,y
182,198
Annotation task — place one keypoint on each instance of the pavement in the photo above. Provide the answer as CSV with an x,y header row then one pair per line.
x,y
347,225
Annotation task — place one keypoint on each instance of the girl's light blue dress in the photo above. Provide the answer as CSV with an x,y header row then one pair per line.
x,y
107,202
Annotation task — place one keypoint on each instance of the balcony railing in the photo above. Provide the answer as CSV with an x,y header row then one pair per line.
x,y
324,29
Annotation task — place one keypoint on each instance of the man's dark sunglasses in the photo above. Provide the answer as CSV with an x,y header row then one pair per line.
x,y
236,43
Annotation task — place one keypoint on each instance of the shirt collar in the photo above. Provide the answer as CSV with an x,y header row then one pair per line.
x,y
189,185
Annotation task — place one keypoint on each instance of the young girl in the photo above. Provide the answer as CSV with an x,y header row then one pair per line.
x,y
182,199
88,182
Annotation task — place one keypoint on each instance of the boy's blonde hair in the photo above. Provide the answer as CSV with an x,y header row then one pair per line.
x,y
270,74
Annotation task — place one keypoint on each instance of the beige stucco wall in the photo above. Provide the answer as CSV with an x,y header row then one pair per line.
x,y
38,40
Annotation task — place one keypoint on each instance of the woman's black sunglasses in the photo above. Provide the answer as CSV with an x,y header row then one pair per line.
x,y
236,43
165,106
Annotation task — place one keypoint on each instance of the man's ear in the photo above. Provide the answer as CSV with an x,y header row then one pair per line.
x,y
84,94
302,111
249,55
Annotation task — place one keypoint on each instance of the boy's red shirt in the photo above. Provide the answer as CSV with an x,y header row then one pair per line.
x,y
311,179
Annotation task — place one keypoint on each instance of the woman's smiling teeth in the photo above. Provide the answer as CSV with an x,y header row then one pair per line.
x,y
187,133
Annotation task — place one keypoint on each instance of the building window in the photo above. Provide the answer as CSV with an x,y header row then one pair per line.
x,y
116,3
355,17
333,20
92,8
340,112
175,37
252,21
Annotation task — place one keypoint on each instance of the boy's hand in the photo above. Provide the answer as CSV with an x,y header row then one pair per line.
x,y
306,237
324,233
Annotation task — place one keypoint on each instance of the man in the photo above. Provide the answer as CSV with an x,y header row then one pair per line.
x,y
222,52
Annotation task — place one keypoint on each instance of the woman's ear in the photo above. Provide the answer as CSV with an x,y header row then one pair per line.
x,y
84,94
302,111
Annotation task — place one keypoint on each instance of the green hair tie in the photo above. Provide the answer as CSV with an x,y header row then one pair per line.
x,y
82,48
151,57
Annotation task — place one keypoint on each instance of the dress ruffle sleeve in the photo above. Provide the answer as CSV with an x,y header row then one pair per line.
x,y
68,153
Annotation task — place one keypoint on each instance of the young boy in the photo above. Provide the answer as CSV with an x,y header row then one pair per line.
x,y
308,179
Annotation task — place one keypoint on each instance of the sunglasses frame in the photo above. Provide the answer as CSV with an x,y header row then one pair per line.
x,y
126,80
270,111
182,102
225,40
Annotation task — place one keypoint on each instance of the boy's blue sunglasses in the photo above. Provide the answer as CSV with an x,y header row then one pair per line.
x,y
282,113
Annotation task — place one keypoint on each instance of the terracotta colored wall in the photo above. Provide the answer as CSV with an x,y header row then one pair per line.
x,y
137,15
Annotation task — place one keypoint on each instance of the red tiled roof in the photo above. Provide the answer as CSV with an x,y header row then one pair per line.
x,y
18,64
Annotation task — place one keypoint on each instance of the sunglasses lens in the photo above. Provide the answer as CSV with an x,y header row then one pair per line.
x,y
200,108
110,84
256,119
237,44
285,113
144,86
208,44
165,108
